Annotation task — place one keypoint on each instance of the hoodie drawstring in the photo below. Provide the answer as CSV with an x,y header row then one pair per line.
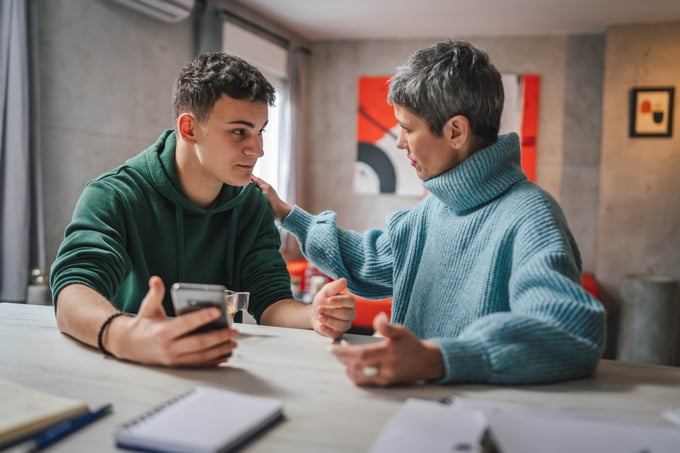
x,y
180,242
235,270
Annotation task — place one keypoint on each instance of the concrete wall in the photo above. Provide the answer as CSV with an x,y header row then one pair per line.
x,y
639,207
106,81
584,71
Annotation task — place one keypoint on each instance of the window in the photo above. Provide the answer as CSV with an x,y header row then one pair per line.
x,y
271,59
268,166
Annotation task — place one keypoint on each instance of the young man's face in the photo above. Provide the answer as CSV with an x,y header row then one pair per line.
x,y
429,155
230,141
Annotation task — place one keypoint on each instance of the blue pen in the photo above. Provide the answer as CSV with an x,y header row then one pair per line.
x,y
60,430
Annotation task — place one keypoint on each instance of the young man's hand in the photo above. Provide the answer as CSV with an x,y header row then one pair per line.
x,y
333,311
154,339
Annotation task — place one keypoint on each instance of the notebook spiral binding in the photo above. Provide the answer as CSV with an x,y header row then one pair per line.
x,y
158,409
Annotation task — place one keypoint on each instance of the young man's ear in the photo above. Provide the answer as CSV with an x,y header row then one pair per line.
x,y
457,131
186,127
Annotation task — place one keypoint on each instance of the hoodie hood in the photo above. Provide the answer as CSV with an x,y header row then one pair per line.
x,y
157,165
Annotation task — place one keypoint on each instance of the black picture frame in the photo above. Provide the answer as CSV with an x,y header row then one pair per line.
x,y
651,112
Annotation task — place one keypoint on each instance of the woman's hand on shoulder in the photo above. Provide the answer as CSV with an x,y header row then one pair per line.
x,y
281,208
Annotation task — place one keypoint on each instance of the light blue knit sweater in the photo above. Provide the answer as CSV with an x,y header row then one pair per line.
x,y
484,266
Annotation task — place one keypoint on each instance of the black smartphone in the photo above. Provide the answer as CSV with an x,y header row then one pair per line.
x,y
189,297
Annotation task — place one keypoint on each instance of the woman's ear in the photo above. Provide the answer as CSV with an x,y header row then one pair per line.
x,y
186,125
457,131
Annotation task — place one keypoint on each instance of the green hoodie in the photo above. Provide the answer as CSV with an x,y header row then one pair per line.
x,y
135,221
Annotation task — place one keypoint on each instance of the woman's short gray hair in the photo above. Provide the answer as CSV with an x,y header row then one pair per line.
x,y
451,78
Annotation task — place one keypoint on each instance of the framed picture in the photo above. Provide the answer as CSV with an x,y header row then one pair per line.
x,y
651,112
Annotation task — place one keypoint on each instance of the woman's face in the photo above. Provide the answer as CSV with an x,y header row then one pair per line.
x,y
429,154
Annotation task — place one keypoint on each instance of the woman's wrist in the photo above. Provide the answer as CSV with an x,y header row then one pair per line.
x,y
283,211
434,362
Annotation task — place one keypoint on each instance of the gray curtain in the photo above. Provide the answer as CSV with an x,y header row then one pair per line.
x,y
291,156
21,229
207,28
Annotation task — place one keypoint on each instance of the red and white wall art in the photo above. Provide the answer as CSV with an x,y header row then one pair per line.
x,y
381,168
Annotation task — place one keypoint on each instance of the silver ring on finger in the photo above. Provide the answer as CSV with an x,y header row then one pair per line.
x,y
370,370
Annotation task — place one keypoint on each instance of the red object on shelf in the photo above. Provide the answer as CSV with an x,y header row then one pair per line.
x,y
590,284
296,269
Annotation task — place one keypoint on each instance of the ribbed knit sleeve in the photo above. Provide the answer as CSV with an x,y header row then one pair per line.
x,y
366,259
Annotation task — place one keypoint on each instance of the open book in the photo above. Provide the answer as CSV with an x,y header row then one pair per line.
x,y
529,430
432,427
25,411
463,424
205,419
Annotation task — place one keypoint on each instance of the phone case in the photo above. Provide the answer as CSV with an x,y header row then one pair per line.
x,y
188,297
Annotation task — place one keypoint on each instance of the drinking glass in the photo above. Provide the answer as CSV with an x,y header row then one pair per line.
x,y
236,301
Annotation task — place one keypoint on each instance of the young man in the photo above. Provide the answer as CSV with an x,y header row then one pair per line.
x,y
484,272
184,211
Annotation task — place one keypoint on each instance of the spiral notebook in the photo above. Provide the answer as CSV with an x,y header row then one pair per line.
x,y
205,419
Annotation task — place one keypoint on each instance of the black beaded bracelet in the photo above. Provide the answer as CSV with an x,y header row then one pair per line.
x,y
100,335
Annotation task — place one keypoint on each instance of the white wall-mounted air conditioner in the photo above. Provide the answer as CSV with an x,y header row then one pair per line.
x,y
164,10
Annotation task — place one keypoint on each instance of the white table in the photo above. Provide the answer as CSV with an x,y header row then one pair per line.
x,y
324,411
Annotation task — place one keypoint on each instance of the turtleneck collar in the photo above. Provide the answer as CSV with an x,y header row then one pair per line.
x,y
480,178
